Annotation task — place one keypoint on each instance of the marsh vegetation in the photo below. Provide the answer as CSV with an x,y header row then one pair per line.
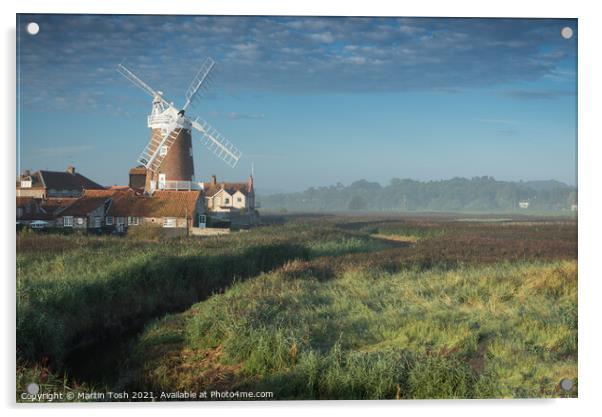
x,y
312,307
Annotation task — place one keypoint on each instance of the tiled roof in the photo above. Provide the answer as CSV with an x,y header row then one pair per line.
x,y
66,181
138,171
54,205
105,192
161,204
84,206
43,209
230,187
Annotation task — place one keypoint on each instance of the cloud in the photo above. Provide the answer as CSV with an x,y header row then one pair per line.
x,y
536,94
71,64
59,151
325,37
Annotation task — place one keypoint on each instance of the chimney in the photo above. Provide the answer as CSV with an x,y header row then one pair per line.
x,y
250,184
213,180
26,173
71,169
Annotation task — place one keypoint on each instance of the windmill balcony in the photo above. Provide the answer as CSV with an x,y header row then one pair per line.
x,y
158,119
182,185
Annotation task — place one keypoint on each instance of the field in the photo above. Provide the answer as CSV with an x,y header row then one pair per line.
x,y
308,307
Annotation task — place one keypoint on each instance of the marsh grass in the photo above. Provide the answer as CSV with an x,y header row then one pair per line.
x,y
502,330
75,289
313,308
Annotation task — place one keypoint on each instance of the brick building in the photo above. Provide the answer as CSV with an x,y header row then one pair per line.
x,y
54,184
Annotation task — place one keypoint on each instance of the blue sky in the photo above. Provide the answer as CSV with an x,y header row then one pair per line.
x,y
310,101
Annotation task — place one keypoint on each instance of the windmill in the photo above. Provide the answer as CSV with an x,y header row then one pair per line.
x,y
167,158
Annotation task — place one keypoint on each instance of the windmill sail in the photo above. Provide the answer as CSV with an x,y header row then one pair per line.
x,y
200,82
217,143
167,122
139,83
156,150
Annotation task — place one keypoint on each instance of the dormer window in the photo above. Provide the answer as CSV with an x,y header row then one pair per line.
x,y
163,150
25,183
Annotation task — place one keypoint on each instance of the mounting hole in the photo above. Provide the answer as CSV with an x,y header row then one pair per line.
x,y
33,28
566,32
566,384
33,388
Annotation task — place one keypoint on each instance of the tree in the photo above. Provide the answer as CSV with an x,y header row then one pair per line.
x,y
357,203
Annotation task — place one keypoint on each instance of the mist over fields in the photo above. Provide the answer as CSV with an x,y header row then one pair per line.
x,y
456,194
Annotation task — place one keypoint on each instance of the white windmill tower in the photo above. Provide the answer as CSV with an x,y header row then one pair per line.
x,y
167,157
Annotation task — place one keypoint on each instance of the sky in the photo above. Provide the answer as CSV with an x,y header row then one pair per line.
x,y
310,101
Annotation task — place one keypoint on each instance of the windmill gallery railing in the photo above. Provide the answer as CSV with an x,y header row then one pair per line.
x,y
180,185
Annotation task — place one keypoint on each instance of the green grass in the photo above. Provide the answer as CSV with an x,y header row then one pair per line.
x,y
503,330
75,289
313,308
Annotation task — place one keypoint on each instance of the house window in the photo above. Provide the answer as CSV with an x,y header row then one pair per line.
x,y
239,199
27,183
169,222
96,221
132,221
109,220
79,221
161,181
120,220
68,221
226,201
163,150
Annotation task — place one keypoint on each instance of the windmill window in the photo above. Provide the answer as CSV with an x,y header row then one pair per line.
x,y
163,150
190,150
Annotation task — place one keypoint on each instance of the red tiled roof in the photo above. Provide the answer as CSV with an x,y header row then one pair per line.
x,y
54,205
105,192
161,204
84,206
138,171
230,187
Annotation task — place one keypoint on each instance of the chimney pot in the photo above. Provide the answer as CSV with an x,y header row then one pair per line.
x,y
71,169
213,180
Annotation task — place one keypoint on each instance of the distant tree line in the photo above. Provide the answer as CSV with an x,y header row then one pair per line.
x,y
456,194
